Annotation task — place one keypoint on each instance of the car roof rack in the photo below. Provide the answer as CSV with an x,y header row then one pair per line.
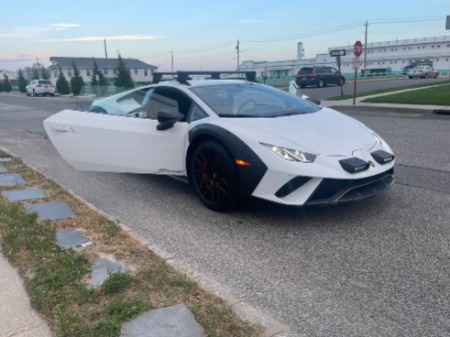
x,y
183,76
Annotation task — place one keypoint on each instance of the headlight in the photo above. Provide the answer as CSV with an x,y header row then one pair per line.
x,y
376,136
290,154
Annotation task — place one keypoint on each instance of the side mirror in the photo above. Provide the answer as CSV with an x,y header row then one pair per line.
x,y
167,118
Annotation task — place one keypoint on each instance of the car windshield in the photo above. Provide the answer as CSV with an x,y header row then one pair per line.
x,y
252,100
45,82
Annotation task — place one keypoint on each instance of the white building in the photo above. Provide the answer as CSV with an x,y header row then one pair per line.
x,y
391,56
140,71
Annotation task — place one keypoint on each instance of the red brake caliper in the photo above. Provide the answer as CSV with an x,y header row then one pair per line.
x,y
205,176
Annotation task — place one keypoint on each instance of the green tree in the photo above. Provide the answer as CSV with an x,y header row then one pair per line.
x,y
1,86
76,82
102,82
35,74
44,74
123,79
22,81
6,84
62,85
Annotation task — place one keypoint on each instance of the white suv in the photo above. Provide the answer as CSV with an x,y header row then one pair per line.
x,y
40,87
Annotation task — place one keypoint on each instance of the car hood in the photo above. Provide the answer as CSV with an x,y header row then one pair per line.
x,y
325,132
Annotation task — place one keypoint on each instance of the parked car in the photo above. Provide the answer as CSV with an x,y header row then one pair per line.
x,y
407,68
319,76
422,72
40,87
228,138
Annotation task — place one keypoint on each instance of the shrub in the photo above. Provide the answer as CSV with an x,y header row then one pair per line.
x,y
76,82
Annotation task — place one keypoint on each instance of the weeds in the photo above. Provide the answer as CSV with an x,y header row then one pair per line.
x,y
57,285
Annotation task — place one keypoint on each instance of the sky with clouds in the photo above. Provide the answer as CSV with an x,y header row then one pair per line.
x,y
202,34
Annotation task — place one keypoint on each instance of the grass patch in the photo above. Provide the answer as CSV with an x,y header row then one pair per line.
x,y
385,90
116,282
56,278
432,96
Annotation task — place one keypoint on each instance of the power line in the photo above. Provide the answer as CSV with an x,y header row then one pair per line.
x,y
405,20
330,30
309,34
386,33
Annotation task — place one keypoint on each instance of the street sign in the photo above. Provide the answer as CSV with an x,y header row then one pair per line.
x,y
357,48
338,52
355,63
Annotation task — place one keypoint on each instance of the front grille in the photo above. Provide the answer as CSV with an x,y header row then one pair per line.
x,y
338,190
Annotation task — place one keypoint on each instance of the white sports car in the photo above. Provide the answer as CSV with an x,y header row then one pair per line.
x,y
228,137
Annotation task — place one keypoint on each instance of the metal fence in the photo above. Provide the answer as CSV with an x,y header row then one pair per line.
x,y
284,81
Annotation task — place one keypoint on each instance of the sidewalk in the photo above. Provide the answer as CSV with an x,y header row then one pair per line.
x,y
17,318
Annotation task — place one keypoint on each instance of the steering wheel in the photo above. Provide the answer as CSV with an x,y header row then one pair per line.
x,y
247,106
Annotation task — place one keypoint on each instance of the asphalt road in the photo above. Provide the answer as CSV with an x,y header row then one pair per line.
x,y
365,85
379,267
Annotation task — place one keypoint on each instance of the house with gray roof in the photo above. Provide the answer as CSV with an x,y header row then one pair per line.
x,y
140,71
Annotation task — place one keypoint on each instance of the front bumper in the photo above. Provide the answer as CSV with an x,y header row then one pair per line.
x,y
324,184
340,190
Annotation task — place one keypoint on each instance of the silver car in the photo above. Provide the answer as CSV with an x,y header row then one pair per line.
x,y
422,72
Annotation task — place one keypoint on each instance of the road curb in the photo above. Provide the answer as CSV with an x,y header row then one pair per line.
x,y
356,108
268,325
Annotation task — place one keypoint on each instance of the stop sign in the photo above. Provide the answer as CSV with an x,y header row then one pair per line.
x,y
357,48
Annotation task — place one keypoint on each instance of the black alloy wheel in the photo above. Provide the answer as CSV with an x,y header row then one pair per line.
x,y
213,176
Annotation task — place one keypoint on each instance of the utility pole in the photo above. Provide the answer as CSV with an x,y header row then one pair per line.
x,y
365,50
237,50
172,60
106,51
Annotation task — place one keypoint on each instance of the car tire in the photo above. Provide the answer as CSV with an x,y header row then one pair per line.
x,y
34,93
410,77
341,81
213,176
321,83
426,75
53,95
28,94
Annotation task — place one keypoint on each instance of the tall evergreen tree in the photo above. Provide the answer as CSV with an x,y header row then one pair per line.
x,y
62,85
6,84
1,86
35,74
102,82
123,79
76,82
22,81
44,74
